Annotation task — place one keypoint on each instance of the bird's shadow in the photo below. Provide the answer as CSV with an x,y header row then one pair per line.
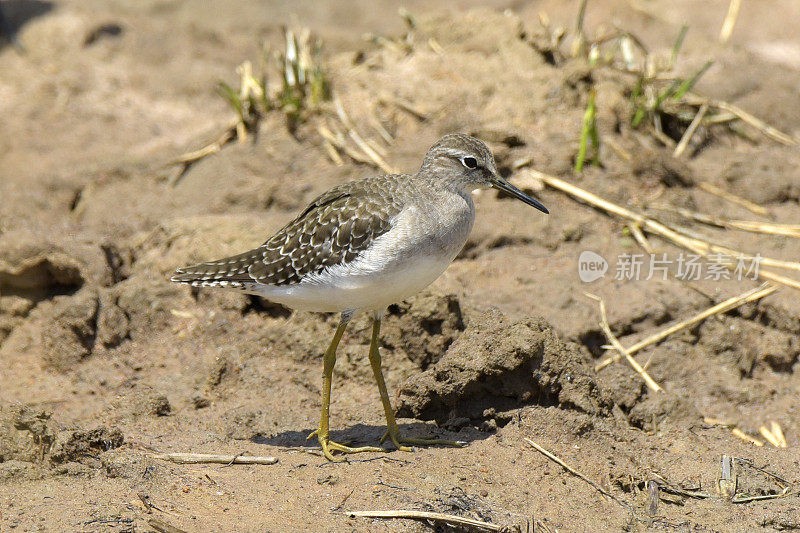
x,y
14,14
368,435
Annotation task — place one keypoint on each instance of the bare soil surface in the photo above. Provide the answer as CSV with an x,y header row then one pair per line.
x,y
104,362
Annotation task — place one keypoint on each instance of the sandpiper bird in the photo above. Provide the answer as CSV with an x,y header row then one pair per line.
x,y
364,245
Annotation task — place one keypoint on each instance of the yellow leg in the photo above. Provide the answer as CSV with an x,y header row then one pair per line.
x,y
392,431
322,432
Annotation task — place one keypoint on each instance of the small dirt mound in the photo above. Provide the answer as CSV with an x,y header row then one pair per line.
x,y
30,442
26,433
80,444
71,335
424,326
497,363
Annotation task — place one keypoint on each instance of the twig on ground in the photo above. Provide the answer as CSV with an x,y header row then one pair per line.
x,y
618,346
665,139
723,251
722,193
770,131
753,226
332,153
774,435
672,488
405,105
453,520
521,163
340,143
376,159
748,499
757,293
744,436
735,431
204,458
781,480
378,125
636,231
622,152
730,21
786,486
718,422
163,527
189,158
574,472
344,500
687,135
435,46
652,497
697,246
222,140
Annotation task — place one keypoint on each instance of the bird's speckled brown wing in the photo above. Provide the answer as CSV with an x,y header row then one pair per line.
x,y
332,230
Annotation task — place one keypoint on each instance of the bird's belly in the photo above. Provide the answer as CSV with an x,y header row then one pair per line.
x,y
345,288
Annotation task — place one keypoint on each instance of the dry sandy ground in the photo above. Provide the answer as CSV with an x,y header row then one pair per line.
x,y
103,362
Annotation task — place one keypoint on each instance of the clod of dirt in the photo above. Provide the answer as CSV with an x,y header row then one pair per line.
x,y
112,324
157,405
28,436
73,446
424,326
70,336
499,364
26,433
200,402
625,388
217,371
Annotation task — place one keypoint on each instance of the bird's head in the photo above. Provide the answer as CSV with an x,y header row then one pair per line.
x,y
469,164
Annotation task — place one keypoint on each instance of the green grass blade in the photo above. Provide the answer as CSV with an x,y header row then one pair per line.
x,y
687,85
232,97
588,131
676,48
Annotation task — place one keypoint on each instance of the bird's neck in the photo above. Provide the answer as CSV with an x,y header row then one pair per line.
x,y
446,182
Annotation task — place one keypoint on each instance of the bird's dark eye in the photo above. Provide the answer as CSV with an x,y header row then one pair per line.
x,y
469,162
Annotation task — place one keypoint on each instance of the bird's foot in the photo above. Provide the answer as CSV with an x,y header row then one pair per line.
x,y
329,446
398,440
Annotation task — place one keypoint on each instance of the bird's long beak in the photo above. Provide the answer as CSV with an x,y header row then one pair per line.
x,y
498,182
